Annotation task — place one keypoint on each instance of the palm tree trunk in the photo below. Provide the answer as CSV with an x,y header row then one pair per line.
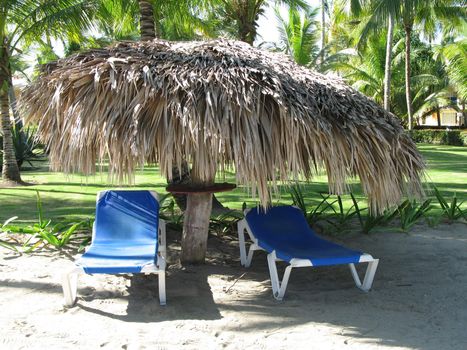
x,y
408,95
387,65
464,116
146,20
323,29
245,28
10,170
438,116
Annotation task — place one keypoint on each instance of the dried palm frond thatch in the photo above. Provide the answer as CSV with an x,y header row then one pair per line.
x,y
219,104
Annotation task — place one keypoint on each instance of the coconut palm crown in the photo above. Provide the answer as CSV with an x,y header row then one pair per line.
x,y
219,104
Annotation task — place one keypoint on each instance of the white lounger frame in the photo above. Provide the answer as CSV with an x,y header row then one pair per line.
x,y
279,287
70,279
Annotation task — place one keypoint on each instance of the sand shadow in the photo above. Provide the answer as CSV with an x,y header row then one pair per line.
x,y
189,297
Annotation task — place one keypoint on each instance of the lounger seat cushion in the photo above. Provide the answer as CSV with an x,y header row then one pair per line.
x,y
126,233
117,258
127,237
285,230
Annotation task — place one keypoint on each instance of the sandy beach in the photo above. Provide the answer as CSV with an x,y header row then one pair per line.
x,y
418,301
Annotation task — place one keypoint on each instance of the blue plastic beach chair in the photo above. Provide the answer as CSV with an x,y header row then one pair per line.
x,y
284,234
127,237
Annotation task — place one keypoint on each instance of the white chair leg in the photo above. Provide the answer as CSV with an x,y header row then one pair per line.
x,y
161,281
278,287
70,286
245,260
369,275
241,242
251,251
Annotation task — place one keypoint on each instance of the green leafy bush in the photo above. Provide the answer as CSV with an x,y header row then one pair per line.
x,y
372,221
441,137
26,146
463,136
313,214
452,210
45,233
225,223
410,212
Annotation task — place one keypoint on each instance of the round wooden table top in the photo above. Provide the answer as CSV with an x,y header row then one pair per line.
x,y
190,188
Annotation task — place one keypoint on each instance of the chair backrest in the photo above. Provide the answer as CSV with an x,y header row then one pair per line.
x,y
279,225
131,216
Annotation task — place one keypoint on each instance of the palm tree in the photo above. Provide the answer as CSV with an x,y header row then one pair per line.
x,y
240,17
427,18
147,23
365,71
376,13
23,21
298,36
453,55
149,19
118,20
324,9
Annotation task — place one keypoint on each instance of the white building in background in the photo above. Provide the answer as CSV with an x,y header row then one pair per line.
x,y
449,116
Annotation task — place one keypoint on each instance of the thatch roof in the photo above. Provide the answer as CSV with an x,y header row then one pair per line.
x,y
219,104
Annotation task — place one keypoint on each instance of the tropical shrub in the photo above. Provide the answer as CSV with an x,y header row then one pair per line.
x,y
410,212
225,223
313,214
372,221
451,210
441,137
44,232
27,148
341,216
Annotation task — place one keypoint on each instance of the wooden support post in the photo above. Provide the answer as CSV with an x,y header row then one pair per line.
x,y
196,228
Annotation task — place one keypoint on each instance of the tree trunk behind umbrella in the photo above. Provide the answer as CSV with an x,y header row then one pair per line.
x,y
147,27
323,29
387,64
408,94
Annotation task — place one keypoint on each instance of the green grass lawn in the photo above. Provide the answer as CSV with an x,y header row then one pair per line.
x,y
72,197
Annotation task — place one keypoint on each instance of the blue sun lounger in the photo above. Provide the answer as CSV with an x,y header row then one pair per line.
x,y
127,237
284,234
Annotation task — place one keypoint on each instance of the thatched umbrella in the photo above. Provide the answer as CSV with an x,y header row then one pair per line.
x,y
218,104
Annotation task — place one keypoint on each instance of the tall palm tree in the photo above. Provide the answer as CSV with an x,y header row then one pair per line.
x,y
364,70
376,14
427,18
23,21
298,34
424,17
453,55
147,22
387,64
240,17
324,9
149,19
